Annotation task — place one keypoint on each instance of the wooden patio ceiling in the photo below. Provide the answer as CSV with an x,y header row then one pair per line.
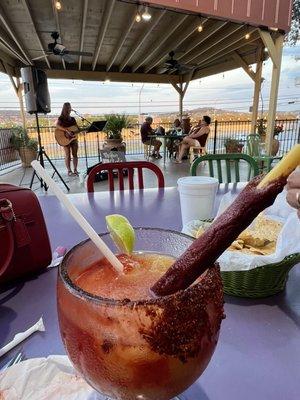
x,y
123,49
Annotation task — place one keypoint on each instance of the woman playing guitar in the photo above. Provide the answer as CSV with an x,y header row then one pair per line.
x,y
63,123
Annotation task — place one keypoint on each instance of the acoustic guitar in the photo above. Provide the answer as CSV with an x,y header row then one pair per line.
x,y
63,138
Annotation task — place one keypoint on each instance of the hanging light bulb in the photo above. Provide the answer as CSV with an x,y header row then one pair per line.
x,y
58,5
200,26
138,17
247,36
146,15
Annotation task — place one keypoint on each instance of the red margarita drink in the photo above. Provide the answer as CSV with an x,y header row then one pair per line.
x,y
125,342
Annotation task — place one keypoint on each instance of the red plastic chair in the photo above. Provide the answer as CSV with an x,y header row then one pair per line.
x,y
120,167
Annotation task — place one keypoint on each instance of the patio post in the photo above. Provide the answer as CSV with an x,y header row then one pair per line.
x,y
275,50
181,89
19,93
256,77
18,87
257,88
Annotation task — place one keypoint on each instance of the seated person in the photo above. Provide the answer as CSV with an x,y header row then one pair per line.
x,y
197,136
176,130
147,130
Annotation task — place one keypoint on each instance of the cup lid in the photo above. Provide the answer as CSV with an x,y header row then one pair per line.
x,y
193,182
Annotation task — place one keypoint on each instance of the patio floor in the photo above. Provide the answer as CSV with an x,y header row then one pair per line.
x,y
172,171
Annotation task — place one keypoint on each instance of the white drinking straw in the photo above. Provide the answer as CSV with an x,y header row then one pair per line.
x,y
79,218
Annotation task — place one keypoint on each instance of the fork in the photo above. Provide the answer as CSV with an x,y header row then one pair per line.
x,y
14,360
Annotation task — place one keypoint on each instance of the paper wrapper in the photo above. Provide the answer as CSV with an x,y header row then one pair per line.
x,y
288,241
45,379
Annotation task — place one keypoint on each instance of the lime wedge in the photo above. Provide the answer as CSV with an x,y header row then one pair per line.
x,y
121,232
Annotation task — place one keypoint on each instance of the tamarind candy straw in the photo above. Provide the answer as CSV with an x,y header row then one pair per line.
x,y
288,163
205,250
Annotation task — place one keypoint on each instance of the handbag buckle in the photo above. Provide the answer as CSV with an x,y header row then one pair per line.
x,y
6,210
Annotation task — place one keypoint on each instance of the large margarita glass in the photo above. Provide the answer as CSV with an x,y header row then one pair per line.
x,y
146,349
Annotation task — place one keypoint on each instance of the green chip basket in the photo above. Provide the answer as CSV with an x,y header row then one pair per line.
x,y
261,281
258,282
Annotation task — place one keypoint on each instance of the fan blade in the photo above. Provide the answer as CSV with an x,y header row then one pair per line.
x,y
40,57
68,58
78,53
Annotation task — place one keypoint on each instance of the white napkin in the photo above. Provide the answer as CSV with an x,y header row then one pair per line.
x,y
45,379
288,241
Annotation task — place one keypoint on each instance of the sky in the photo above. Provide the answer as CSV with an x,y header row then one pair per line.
x,y
232,91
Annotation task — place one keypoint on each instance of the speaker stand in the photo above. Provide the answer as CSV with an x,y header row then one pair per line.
x,y
40,157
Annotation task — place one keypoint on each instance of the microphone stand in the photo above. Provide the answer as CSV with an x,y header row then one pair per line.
x,y
85,149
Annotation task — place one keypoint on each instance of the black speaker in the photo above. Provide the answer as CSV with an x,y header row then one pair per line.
x,y
37,98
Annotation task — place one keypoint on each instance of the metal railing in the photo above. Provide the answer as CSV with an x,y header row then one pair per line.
x,y
221,131
90,143
8,156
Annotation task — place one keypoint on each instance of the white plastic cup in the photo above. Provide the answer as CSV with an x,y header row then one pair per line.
x,y
197,197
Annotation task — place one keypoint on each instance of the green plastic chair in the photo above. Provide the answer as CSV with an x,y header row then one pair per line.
x,y
264,161
253,145
232,163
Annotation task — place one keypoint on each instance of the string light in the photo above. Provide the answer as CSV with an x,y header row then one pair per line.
x,y
138,17
200,26
58,5
247,36
146,15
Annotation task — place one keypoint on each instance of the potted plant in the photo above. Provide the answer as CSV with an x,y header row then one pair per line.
x,y
233,146
114,126
26,146
261,129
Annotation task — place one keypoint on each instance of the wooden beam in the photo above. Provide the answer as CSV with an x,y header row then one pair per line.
x,y
269,44
122,39
55,13
141,40
6,57
19,86
113,76
103,28
214,41
257,88
10,30
6,69
176,87
156,46
204,35
274,93
220,65
29,14
230,44
9,45
242,63
182,36
83,24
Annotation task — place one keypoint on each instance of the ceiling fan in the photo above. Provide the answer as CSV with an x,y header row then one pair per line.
x,y
174,66
59,49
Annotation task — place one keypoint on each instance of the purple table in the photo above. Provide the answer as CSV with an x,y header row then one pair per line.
x,y
258,354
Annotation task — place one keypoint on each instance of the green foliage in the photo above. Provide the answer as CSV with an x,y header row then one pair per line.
x,y
231,142
294,33
115,124
261,128
20,139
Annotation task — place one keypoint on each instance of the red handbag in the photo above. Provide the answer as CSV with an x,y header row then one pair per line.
x,y
24,242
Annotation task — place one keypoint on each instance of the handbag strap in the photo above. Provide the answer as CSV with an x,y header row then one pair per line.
x,y
7,215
